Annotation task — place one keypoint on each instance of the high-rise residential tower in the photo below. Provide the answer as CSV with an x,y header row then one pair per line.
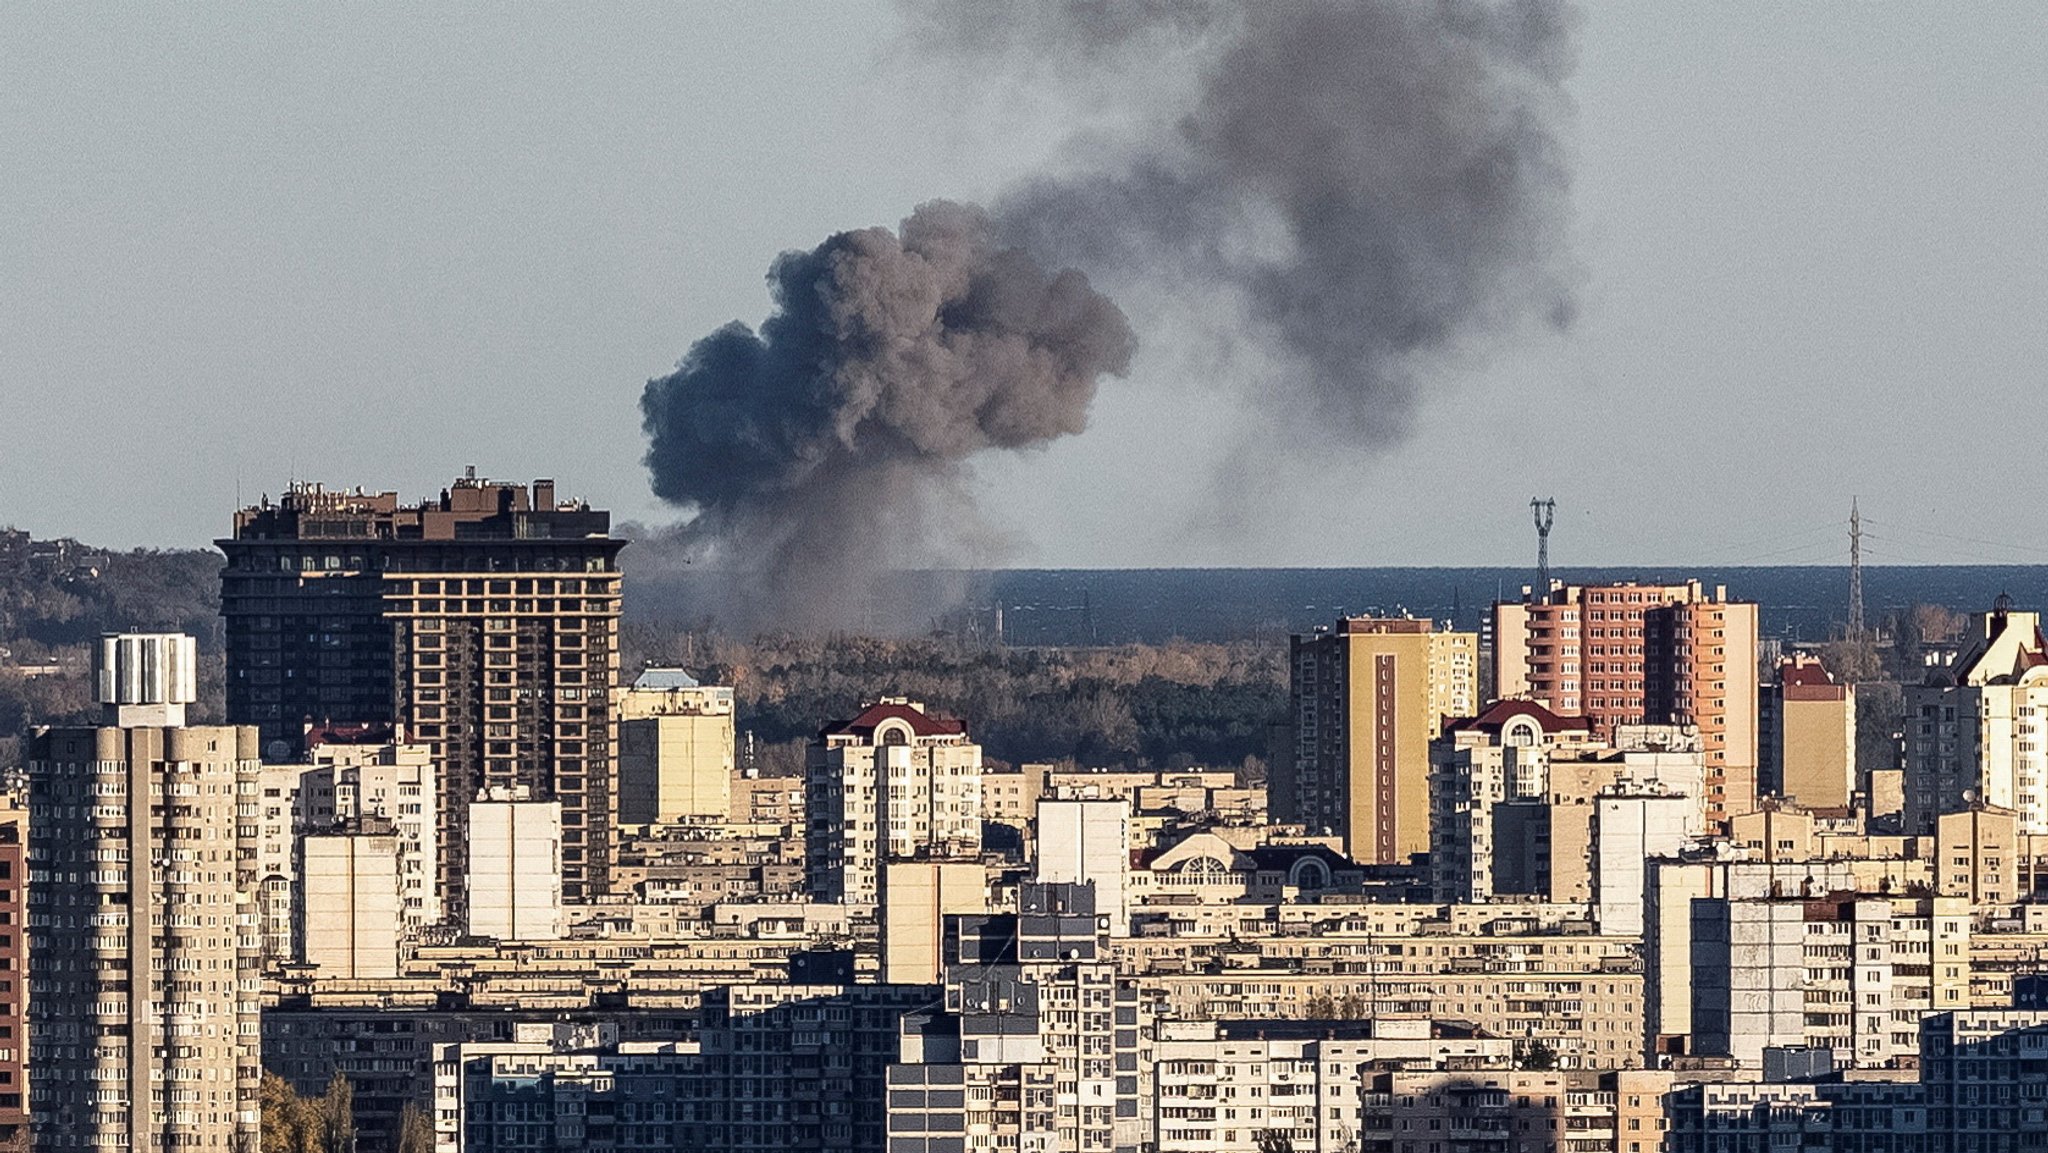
x,y
484,621
1977,730
1368,696
893,783
145,946
1630,654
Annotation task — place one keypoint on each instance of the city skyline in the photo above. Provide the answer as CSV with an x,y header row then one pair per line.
x,y
260,218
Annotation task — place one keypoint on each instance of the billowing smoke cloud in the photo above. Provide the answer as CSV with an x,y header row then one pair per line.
x,y
1370,182
828,447
1354,188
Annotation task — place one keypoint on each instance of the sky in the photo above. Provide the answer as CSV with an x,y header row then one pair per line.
x,y
375,244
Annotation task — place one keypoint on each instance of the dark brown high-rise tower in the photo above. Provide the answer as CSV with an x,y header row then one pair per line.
x,y
485,622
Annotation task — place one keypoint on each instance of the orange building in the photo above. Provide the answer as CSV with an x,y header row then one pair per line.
x,y
1630,654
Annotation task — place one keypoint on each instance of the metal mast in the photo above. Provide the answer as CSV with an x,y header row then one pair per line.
x,y
1855,571
1544,509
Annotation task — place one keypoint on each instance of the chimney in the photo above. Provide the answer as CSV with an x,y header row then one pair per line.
x,y
544,495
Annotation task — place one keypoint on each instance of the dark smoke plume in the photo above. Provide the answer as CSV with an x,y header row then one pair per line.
x,y
1353,189
1371,181
828,447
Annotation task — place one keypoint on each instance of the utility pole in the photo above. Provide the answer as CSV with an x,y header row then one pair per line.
x,y
1855,571
1544,510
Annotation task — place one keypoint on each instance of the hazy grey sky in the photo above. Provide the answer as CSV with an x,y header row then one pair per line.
x,y
241,244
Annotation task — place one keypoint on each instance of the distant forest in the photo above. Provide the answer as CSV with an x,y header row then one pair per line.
x,y
1168,704
1175,703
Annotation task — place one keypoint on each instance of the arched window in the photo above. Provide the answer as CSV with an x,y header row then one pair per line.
x,y
1309,873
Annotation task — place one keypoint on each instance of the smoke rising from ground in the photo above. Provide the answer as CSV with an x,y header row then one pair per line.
x,y
1354,191
828,447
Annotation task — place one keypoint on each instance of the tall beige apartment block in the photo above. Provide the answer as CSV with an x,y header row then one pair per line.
x,y
675,749
350,921
1368,695
143,923
893,783
1630,654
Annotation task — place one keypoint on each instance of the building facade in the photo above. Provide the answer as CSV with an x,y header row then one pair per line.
x,y
1808,724
1630,654
145,946
1367,697
1977,730
485,622
515,867
676,748
894,782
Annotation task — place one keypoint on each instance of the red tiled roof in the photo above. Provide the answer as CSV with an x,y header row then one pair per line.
x,y
1804,674
921,723
351,734
1499,713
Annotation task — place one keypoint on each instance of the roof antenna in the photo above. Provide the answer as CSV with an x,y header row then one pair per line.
x,y
1544,510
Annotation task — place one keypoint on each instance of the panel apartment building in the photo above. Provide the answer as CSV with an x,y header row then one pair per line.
x,y
485,622
1630,654
1368,696
144,946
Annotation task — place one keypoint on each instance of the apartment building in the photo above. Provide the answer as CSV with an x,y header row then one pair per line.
x,y
350,922
1977,730
354,776
676,749
1520,798
1248,1086
1848,972
1476,766
515,867
894,782
1367,697
772,1067
1643,654
1807,725
14,974
143,937
1042,1044
484,621
1981,1087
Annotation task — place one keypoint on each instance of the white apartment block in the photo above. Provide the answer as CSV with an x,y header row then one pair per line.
x,y
1084,842
346,784
892,783
1246,1086
514,876
1977,732
350,924
1631,825
1852,973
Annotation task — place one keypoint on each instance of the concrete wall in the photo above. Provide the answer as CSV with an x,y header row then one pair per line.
x,y
350,918
515,870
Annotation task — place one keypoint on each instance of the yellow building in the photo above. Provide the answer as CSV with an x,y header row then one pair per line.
x,y
1809,745
675,749
1368,695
